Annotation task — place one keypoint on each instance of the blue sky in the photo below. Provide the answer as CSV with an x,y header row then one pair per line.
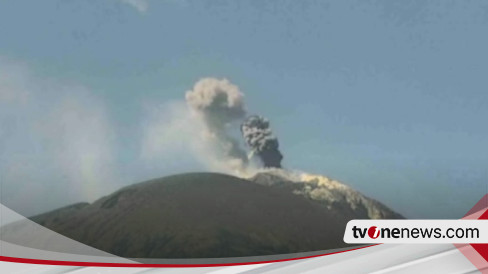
x,y
389,97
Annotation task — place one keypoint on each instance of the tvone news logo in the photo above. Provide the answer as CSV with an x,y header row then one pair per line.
x,y
373,232
416,231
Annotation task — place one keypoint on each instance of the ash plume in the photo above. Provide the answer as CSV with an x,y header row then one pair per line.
x,y
259,137
219,103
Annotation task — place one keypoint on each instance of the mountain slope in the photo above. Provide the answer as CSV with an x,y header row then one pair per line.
x,y
330,193
200,215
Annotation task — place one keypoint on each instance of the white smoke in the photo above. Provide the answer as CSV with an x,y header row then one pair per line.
x,y
201,127
174,137
55,141
219,100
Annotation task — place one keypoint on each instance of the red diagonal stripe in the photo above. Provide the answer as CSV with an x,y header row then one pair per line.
x,y
482,203
482,249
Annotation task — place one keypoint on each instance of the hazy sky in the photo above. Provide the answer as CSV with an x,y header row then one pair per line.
x,y
390,97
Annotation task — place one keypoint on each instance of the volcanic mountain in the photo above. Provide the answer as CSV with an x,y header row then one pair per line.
x,y
211,215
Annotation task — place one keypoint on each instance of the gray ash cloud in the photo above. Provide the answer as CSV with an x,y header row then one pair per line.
x,y
220,105
259,137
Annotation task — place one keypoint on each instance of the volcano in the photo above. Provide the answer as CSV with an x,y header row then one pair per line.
x,y
212,215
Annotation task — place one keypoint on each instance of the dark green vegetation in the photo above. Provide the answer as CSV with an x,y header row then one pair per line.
x,y
202,215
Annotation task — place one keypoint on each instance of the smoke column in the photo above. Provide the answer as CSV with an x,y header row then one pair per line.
x,y
219,103
260,138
